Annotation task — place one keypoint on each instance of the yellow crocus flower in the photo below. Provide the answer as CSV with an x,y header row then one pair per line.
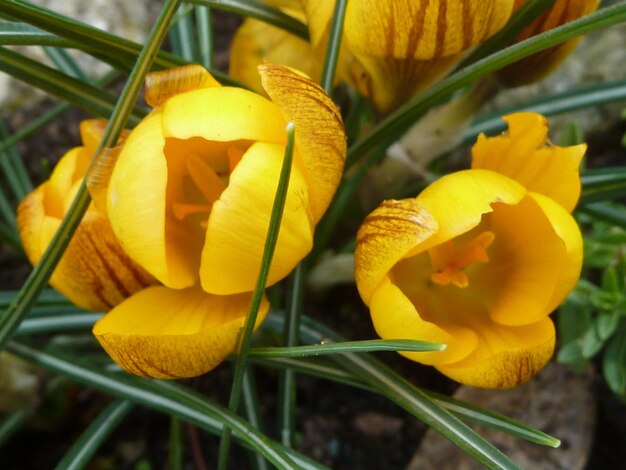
x,y
95,273
392,49
257,42
480,258
190,200
537,66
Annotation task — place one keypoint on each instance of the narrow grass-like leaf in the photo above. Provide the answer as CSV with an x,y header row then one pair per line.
x,y
606,213
88,97
461,409
334,43
9,236
46,118
10,163
12,423
606,184
523,17
66,321
175,451
65,63
259,290
260,11
94,436
603,178
385,381
494,420
182,35
115,50
7,212
345,347
579,98
47,297
16,162
33,126
204,26
396,123
167,397
314,331
344,197
287,383
322,369
38,278
401,392
253,413
19,34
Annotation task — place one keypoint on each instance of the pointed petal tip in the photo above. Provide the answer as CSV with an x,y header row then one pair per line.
x,y
320,138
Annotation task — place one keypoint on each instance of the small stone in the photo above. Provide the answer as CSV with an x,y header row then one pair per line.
x,y
376,425
557,401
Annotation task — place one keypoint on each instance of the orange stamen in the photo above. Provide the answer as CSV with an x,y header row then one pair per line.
x,y
450,263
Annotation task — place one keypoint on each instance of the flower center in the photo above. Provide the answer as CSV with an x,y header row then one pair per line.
x,y
450,262
201,182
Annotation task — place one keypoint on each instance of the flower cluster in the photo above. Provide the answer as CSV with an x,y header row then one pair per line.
x,y
189,200
171,247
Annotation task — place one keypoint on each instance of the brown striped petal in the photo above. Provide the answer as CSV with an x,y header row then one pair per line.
x,y
398,48
174,333
537,66
386,236
94,273
320,138
506,356
422,29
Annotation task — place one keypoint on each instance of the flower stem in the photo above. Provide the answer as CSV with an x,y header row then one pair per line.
x,y
257,295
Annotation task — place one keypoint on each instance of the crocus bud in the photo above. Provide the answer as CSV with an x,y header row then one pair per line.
x,y
392,49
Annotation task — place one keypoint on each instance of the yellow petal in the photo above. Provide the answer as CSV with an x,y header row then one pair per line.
x,y
257,42
457,311
94,272
398,48
223,114
523,154
459,200
167,333
237,226
395,317
389,82
137,209
526,262
162,85
320,138
387,235
70,169
567,229
535,67
422,29
318,15
505,356
91,132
